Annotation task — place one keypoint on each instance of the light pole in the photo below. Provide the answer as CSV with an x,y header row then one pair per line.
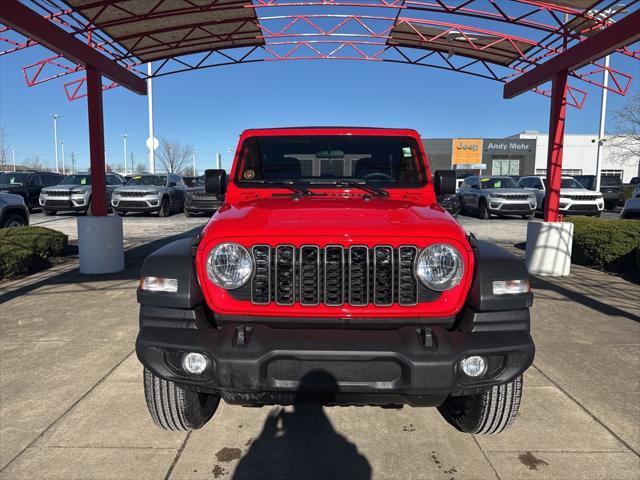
x,y
152,156
124,140
218,160
62,152
13,157
55,117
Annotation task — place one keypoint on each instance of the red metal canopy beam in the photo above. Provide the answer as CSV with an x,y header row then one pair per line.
x,y
27,22
620,34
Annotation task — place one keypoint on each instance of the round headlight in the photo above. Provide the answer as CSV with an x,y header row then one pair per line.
x,y
229,265
440,267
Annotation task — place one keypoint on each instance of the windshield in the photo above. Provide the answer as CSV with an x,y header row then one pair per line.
x,y
586,180
76,180
567,183
610,180
14,178
153,180
384,161
497,182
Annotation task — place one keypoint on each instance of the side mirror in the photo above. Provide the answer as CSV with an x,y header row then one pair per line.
x,y
444,182
215,181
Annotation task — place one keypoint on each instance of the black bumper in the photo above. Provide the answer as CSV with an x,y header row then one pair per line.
x,y
259,364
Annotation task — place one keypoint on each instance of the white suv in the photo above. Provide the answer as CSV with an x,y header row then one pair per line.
x,y
574,197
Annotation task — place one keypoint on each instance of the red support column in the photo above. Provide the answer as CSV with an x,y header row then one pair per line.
x,y
96,143
556,145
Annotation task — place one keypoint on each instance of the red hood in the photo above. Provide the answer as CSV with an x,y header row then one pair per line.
x,y
333,217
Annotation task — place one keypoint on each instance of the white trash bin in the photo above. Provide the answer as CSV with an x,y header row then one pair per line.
x,y
549,248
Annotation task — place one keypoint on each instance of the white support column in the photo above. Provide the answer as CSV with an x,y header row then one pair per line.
x,y
603,115
152,155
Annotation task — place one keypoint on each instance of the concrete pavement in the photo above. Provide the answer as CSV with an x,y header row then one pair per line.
x,y
72,404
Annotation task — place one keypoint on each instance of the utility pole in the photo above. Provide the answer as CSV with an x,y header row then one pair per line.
x,y
55,117
13,157
124,139
219,161
132,165
62,151
152,156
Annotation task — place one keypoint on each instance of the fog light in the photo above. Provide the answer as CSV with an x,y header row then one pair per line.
x,y
474,366
194,363
510,287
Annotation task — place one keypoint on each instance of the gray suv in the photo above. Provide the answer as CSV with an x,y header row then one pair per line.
x,y
73,193
150,193
13,211
494,195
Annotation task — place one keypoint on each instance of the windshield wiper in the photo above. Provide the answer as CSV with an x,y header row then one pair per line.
x,y
297,189
362,185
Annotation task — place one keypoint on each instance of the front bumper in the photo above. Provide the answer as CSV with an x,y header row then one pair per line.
x,y
580,207
75,203
258,364
510,207
149,203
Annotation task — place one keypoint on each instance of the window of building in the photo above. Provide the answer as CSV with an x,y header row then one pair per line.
x,y
619,173
510,167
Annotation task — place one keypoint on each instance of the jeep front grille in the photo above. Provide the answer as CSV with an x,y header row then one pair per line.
x,y
334,275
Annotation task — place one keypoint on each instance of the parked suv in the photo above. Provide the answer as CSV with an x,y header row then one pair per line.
x,y
197,200
73,193
150,193
331,275
611,188
495,195
13,211
28,185
574,198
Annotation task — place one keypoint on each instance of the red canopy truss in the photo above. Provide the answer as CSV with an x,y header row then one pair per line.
x,y
496,40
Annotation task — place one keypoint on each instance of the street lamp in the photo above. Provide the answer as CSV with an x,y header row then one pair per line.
x,y
124,140
13,157
55,117
62,151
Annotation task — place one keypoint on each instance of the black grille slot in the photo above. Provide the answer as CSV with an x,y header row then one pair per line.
x,y
285,274
134,194
358,275
309,275
407,282
261,281
334,270
383,273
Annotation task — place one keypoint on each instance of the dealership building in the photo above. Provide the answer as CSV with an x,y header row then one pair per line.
x,y
524,154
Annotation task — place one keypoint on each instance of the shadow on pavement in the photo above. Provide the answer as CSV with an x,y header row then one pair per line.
x,y
303,444
133,261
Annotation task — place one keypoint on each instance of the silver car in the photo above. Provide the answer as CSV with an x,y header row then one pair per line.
x,y
495,195
13,211
150,193
574,197
73,193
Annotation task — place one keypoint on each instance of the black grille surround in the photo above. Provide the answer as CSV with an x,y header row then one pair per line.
x,y
333,275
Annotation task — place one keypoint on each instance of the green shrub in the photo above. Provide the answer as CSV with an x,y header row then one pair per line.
x,y
43,242
608,244
16,260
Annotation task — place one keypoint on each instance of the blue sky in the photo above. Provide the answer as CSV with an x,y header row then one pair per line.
x,y
210,108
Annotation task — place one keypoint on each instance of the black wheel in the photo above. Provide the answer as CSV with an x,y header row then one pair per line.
x,y
48,213
175,407
88,211
483,213
165,208
187,214
485,413
13,220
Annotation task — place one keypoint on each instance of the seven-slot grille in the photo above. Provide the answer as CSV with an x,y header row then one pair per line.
x,y
334,275
58,193
126,193
581,197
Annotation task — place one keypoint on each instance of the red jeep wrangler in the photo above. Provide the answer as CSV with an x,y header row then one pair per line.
x,y
331,275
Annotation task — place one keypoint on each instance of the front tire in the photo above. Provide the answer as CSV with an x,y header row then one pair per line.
x,y
13,220
175,407
488,412
187,214
483,212
48,213
165,208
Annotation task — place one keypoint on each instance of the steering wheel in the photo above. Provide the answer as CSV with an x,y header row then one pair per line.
x,y
379,175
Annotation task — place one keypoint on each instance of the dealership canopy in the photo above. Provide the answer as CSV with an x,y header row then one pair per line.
x,y
102,44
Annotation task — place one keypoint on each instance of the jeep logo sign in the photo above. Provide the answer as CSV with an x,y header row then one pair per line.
x,y
467,151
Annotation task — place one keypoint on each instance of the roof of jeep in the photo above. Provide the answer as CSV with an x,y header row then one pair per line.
x,y
329,130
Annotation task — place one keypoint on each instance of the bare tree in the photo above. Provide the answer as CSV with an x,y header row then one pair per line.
x,y
4,148
139,168
33,162
188,171
624,144
173,155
